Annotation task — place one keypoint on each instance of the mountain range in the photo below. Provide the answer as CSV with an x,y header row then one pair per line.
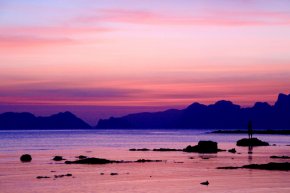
x,y
221,115
65,120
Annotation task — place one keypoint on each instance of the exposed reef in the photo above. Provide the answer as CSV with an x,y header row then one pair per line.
x,y
269,166
203,147
251,142
106,161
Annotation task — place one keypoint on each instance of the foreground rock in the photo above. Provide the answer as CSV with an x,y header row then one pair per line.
x,y
280,157
269,166
106,161
147,160
143,149
26,158
62,175
159,149
82,157
233,150
203,147
251,142
206,183
41,177
57,158
92,161
167,149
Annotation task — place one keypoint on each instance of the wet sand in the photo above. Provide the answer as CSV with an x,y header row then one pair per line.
x,y
179,173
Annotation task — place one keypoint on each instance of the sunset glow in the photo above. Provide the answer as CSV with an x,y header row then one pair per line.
x,y
142,54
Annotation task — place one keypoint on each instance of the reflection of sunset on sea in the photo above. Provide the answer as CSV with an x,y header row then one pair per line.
x,y
142,54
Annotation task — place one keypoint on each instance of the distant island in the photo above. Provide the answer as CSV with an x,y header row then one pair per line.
x,y
268,131
221,115
65,120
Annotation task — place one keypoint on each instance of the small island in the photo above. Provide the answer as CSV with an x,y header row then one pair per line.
x,y
268,131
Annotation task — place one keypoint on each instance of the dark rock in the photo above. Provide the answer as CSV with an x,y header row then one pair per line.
x,y
26,158
147,160
206,183
269,166
40,177
102,173
105,161
191,148
207,147
57,158
280,157
167,149
143,149
203,147
228,168
114,174
251,142
92,161
233,150
62,175
82,157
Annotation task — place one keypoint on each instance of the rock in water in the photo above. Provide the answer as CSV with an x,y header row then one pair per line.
x,y
91,161
82,157
280,157
203,147
57,158
26,158
233,150
269,166
251,142
207,147
206,183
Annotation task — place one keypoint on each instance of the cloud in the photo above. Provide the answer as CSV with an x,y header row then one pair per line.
x,y
27,41
67,94
45,36
209,18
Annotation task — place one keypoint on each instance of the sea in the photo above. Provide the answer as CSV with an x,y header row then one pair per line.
x,y
179,172
30,140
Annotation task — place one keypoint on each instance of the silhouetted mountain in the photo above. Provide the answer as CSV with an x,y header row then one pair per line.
x,y
64,120
221,115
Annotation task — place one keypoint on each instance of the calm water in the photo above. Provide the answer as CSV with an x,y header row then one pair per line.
x,y
179,173
151,138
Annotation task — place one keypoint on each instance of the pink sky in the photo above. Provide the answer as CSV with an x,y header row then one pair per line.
x,y
141,54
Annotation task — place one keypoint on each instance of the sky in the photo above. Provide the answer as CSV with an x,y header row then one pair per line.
x,y
102,58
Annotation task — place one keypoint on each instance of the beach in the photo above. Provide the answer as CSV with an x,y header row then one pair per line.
x,y
178,172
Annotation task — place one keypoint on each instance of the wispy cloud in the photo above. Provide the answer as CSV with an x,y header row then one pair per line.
x,y
28,41
214,18
46,36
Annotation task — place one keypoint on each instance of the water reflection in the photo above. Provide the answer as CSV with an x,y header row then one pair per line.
x,y
250,153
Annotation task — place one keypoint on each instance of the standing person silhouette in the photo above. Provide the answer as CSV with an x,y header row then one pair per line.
x,y
250,129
